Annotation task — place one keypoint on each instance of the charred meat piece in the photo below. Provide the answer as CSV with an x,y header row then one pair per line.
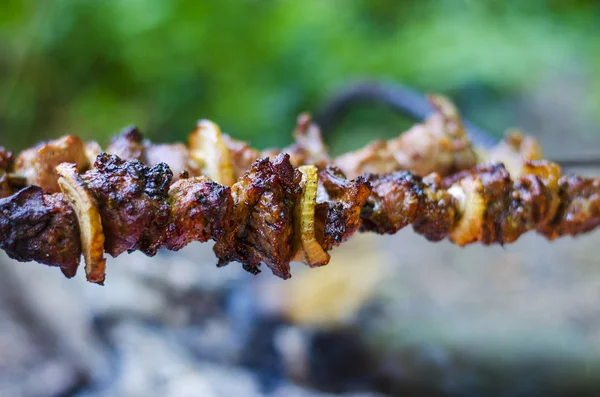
x,y
200,210
131,145
242,155
40,227
512,208
308,146
394,203
133,203
37,164
528,205
438,213
128,145
262,225
440,144
401,199
175,155
579,210
339,204
497,190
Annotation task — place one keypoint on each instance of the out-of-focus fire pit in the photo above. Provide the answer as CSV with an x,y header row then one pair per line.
x,y
388,316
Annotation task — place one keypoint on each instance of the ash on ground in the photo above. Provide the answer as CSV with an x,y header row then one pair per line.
x,y
388,316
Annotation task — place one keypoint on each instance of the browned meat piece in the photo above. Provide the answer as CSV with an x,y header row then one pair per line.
x,y
261,225
512,207
514,151
40,227
175,155
438,212
38,164
394,202
402,198
375,158
527,206
6,159
339,203
308,146
242,155
133,202
200,211
579,210
439,145
131,145
128,145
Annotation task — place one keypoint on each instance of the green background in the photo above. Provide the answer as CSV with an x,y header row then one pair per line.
x,y
91,67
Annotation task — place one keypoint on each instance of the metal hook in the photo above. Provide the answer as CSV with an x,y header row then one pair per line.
x,y
412,104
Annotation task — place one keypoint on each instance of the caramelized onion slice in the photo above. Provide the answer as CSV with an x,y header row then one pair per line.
x,y
210,153
471,205
90,223
311,251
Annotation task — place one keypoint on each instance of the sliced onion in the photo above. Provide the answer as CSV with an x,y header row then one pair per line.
x,y
210,153
310,250
90,223
471,206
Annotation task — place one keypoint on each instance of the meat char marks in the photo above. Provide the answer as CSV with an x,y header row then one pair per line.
x,y
261,228
40,227
270,215
81,200
142,210
132,200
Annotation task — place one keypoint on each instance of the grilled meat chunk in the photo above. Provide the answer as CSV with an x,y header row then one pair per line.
x,y
437,213
261,225
401,199
579,209
440,144
37,164
242,155
200,210
339,203
175,155
133,203
128,145
394,203
40,227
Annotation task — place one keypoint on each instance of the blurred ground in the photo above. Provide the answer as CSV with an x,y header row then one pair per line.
x,y
391,314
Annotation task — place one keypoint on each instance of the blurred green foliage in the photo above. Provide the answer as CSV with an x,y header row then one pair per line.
x,y
93,66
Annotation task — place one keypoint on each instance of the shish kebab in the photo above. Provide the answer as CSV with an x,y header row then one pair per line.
x,y
293,204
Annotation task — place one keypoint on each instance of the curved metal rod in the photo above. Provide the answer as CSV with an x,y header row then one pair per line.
x,y
409,103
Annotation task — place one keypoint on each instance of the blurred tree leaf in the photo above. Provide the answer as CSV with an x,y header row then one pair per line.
x,y
92,66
